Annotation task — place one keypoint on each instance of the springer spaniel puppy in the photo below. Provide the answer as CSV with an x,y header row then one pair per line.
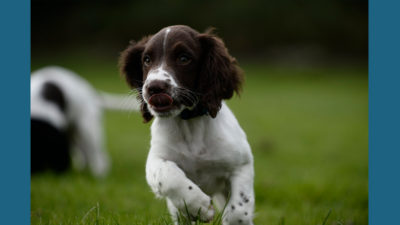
x,y
66,122
198,149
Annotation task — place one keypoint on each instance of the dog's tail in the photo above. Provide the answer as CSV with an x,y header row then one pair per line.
x,y
122,102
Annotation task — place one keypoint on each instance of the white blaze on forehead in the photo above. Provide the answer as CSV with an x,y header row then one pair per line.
x,y
165,40
161,73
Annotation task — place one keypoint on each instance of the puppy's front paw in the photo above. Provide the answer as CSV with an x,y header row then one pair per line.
x,y
206,213
198,205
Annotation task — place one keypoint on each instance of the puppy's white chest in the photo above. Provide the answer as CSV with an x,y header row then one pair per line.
x,y
210,175
200,159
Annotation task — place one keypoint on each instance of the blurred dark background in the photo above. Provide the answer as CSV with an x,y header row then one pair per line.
x,y
256,30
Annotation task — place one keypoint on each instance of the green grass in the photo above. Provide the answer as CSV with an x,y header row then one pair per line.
x,y
308,128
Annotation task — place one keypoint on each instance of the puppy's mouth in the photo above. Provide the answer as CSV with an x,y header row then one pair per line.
x,y
161,102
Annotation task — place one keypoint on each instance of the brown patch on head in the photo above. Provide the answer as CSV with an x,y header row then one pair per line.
x,y
183,55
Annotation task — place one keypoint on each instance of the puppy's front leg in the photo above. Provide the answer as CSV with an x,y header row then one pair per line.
x,y
239,210
166,179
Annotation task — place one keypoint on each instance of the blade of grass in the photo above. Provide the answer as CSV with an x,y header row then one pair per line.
x,y
326,217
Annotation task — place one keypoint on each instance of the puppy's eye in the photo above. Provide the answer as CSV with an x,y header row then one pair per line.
x,y
146,60
184,59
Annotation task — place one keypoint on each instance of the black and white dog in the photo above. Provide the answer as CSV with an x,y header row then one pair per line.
x,y
66,122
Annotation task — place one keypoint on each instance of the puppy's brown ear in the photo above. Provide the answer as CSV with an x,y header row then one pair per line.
x,y
130,65
220,75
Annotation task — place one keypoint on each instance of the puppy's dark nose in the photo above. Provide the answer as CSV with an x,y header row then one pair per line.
x,y
157,87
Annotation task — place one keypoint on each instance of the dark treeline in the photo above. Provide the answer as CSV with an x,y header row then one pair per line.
x,y
253,28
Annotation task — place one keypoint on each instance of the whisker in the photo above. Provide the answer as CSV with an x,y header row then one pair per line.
x,y
188,95
188,90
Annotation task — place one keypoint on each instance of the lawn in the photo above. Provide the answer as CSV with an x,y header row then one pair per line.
x,y
307,126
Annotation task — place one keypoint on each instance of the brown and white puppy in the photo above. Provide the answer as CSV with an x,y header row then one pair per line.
x,y
198,149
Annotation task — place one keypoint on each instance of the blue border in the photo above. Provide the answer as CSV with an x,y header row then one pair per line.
x,y
15,112
384,112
